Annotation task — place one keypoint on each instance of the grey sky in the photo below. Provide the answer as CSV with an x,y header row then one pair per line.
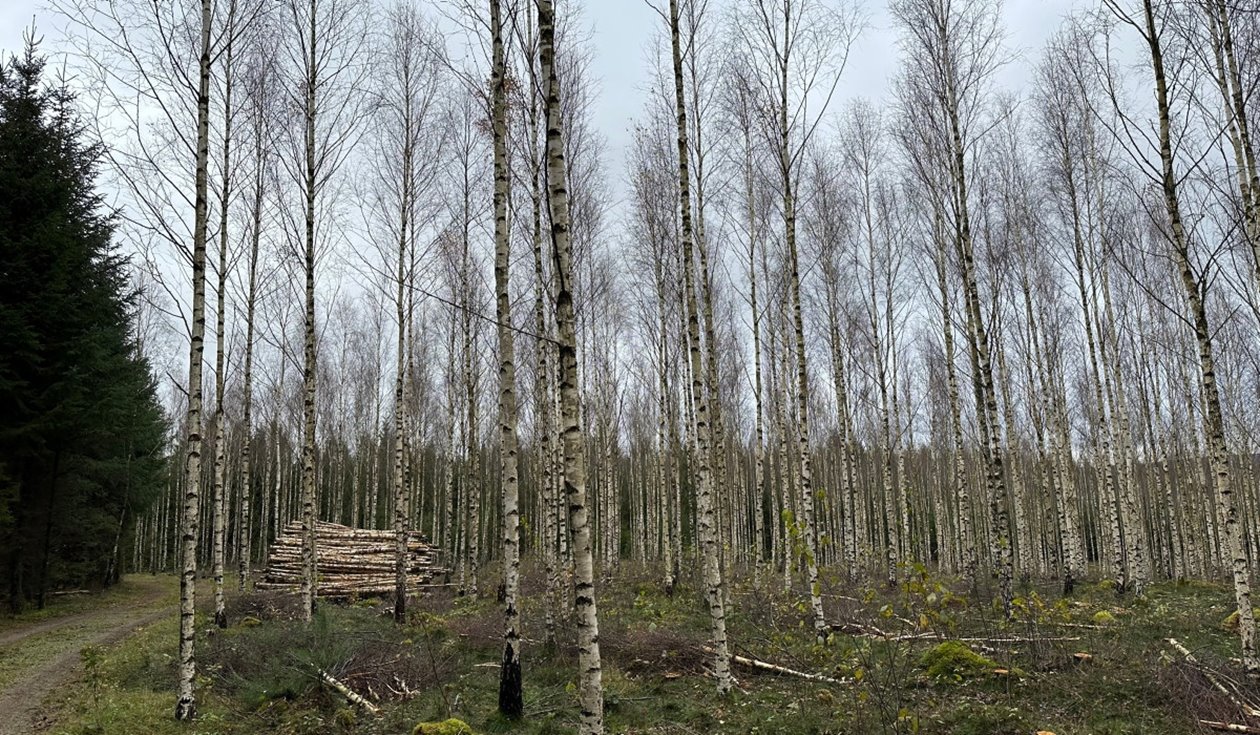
x,y
620,33
15,18
622,29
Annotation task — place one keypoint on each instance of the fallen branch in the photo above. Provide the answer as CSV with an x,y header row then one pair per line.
x,y
1229,726
990,649
839,597
403,691
775,668
983,639
855,628
1247,709
870,631
753,663
345,691
917,637
1020,639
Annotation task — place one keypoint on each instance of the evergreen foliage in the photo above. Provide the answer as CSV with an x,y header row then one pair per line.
x,y
82,435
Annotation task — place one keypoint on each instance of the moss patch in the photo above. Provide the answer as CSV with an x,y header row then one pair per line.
x,y
953,661
451,726
1230,623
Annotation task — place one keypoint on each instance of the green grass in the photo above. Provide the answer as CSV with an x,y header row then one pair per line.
x,y
30,652
131,589
34,649
132,691
258,677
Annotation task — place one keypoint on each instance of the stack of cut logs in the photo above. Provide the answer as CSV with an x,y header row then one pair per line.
x,y
350,562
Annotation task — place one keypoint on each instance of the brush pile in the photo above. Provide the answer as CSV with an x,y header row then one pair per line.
x,y
349,562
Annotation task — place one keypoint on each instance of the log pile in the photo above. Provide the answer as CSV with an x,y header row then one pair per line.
x,y
349,562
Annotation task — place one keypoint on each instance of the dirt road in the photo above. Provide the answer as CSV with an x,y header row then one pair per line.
x,y
37,659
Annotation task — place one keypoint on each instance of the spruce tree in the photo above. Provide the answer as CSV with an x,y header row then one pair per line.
x,y
81,431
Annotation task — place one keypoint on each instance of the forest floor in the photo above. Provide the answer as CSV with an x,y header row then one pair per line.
x,y
41,651
921,656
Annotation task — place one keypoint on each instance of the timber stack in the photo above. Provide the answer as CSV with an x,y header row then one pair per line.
x,y
349,562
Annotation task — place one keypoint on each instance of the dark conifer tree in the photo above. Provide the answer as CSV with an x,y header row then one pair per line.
x,y
82,436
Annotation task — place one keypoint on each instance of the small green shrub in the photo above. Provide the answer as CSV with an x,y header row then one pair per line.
x,y
345,718
953,662
427,625
92,657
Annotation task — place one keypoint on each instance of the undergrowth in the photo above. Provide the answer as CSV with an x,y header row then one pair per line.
x,y
923,655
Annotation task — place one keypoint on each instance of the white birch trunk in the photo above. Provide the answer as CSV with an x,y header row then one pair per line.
x,y
590,688
186,703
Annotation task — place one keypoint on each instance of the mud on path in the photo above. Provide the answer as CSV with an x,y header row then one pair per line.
x,y
38,658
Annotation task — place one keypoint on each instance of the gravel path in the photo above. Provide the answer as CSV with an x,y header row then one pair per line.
x,y
21,701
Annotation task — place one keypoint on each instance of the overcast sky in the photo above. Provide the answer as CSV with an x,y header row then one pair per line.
x,y
621,29
620,33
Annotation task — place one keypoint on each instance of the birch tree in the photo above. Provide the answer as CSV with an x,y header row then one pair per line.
x,y
405,154
590,689
704,399
259,108
953,50
802,46
511,699
162,57
326,70
1150,24
219,502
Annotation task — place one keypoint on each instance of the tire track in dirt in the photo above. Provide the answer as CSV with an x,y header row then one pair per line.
x,y
10,637
21,702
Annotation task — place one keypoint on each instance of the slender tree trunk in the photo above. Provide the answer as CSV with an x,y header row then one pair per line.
x,y
219,502
705,516
1021,539
251,302
403,316
969,561
511,698
590,688
788,176
542,394
1213,421
664,417
978,337
759,440
186,704
471,498
309,582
